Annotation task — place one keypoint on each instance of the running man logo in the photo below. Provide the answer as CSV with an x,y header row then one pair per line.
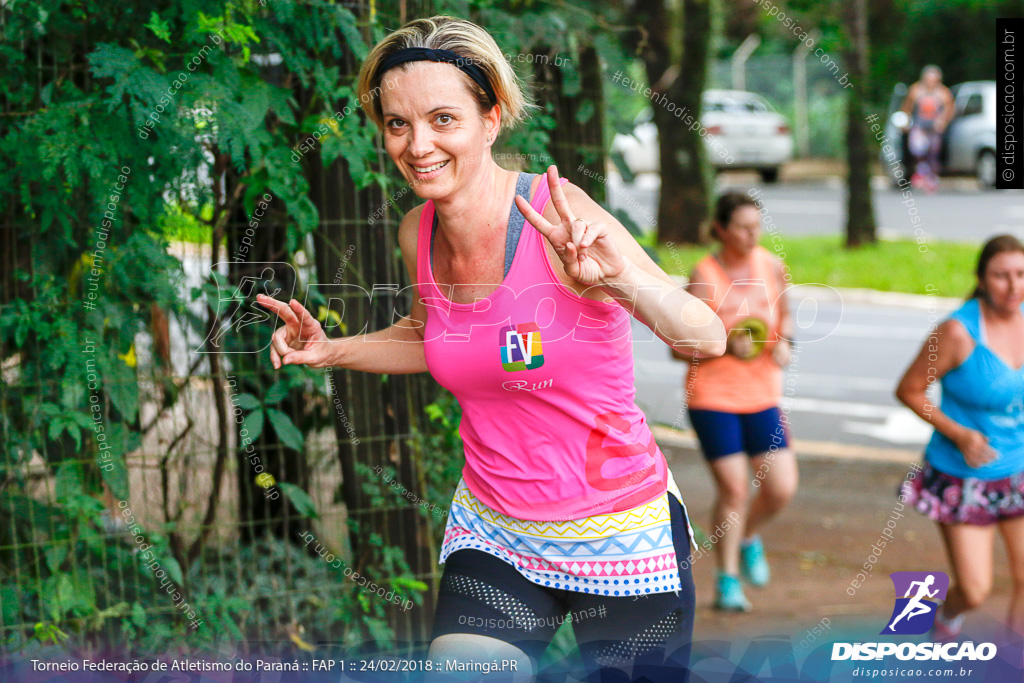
x,y
239,309
520,347
914,613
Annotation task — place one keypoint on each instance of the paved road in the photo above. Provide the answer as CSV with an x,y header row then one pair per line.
x,y
840,386
957,212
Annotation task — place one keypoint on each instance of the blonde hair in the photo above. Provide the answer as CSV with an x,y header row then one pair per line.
x,y
467,40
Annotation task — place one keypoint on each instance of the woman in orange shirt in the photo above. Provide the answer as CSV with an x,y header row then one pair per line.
x,y
733,401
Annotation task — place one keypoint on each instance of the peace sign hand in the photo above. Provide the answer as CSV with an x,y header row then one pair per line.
x,y
301,341
589,253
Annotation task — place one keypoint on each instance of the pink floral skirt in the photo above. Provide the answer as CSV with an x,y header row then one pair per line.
x,y
952,500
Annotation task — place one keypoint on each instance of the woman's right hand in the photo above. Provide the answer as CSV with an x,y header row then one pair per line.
x,y
739,344
974,446
301,341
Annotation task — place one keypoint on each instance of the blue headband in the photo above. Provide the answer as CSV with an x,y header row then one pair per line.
x,y
416,54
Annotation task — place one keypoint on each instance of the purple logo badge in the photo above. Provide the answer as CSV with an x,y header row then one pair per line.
x,y
917,595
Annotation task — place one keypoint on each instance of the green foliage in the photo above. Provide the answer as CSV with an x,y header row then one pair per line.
x,y
178,225
190,70
826,124
159,27
439,456
440,453
67,592
278,588
283,425
300,499
176,99
955,34
904,36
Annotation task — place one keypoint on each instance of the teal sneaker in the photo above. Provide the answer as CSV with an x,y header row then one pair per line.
x,y
752,559
730,595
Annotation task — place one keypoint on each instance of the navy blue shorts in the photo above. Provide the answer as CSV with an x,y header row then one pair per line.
x,y
727,433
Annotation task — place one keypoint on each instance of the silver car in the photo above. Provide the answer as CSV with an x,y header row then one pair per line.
x,y
743,131
968,145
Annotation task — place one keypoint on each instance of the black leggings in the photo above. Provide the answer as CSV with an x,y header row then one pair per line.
x,y
647,635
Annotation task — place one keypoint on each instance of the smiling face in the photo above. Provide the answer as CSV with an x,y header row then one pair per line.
x,y
433,129
1003,282
743,232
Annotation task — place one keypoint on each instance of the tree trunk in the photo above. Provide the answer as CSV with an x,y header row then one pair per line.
x,y
677,76
860,221
373,414
260,515
577,144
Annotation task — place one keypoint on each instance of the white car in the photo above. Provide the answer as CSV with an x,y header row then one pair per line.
x,y
743,132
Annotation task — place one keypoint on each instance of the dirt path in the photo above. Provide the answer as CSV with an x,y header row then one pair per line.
x,y
817,546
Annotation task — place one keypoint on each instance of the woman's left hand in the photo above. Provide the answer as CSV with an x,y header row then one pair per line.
x,y
588,250
782,352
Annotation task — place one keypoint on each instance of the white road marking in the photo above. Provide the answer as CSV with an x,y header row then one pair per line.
x,y
844,408
811,380
858,331
902,427
803,206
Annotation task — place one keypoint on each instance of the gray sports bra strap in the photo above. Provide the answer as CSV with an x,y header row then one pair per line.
x,y
516,220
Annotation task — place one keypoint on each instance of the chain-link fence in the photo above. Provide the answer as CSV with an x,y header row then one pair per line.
x,y
163,490
819,130
204,504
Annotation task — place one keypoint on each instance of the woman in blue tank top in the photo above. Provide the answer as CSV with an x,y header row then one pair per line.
x,y
973,478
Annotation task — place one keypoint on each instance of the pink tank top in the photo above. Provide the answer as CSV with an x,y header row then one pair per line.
x,y
545,381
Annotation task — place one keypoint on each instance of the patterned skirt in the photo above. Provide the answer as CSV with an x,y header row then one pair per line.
x,y
623,553
952,500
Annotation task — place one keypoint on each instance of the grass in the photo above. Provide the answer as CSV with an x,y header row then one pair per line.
x,y
888,265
